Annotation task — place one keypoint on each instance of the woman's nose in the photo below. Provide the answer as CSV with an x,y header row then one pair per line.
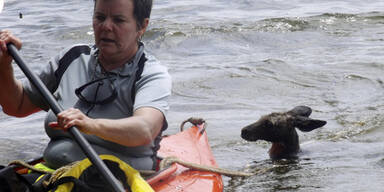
x,y
107,25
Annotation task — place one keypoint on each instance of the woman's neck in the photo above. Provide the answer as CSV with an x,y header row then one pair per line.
x,y
112,62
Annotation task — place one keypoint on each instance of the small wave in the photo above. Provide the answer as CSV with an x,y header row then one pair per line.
x,y
375,16
356,77
283,25
381,163
169,29
366,129
340,24
338,15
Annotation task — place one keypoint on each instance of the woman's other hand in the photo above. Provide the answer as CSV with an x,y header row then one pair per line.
x,y
73,117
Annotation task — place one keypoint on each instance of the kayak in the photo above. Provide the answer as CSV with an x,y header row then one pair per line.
x,y
190,146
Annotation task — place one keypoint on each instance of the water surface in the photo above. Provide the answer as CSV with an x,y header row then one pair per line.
x,y
233,61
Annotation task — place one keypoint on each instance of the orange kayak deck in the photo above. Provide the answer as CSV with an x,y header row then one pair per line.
x,y
189,146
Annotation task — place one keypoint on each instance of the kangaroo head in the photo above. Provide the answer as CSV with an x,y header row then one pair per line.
x,y
280,127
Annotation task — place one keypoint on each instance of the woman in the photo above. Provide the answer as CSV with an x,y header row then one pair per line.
x,y
114,92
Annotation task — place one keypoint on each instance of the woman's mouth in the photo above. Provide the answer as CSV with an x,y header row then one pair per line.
x,y
106,40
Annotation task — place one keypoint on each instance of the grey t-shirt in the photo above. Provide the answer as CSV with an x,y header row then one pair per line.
x,y
77,66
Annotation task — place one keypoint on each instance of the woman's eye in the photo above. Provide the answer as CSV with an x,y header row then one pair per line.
x,y
119,20
99,18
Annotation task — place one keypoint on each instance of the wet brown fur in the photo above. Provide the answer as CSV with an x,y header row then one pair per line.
x,y
279,128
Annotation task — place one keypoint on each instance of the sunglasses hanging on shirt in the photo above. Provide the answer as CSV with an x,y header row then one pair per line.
x,y
98,92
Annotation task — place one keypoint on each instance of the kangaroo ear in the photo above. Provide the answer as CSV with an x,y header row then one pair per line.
x,y
307,124
301,110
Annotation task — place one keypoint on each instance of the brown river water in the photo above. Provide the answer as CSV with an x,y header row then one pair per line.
x,y
233,61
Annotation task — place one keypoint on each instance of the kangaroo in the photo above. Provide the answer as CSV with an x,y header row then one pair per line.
x,y
279,128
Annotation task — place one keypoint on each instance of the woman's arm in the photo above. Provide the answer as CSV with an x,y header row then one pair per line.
x,y
140,129
12,97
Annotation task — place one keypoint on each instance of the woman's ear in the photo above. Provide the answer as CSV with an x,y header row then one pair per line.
x,y
143,27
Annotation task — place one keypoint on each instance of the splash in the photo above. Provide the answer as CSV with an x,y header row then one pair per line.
x,y
1,5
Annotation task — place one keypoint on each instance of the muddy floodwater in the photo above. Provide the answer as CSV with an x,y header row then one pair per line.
x,y
234,61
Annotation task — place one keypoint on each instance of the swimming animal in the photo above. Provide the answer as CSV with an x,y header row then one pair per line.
x,y
279,128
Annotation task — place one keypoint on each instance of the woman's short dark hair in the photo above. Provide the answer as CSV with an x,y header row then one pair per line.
x,y
141,10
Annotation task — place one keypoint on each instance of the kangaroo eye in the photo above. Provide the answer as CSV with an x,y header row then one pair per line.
x,y
268,123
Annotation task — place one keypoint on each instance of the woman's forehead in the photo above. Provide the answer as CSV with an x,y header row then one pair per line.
x,y
114,6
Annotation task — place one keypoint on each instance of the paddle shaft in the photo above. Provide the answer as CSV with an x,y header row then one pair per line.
x,y
56,108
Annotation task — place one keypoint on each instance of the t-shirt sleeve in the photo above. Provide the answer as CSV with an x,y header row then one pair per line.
x,y
47,76
153,89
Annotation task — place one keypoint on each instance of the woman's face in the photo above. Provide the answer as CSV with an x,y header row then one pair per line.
x,y
115,28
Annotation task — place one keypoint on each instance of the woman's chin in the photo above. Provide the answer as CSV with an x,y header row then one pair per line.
x,y
107,50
